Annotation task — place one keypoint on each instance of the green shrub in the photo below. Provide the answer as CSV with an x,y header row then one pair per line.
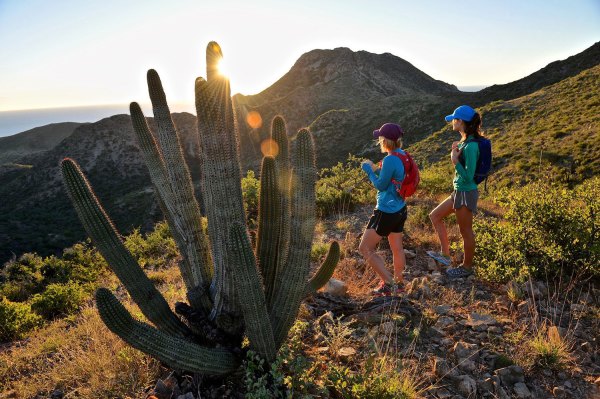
x,y
371,383
250,193
318,251
15,291
85,264
58,300
546,230
437,178
55,270
342,187
22,278
16,320
154,251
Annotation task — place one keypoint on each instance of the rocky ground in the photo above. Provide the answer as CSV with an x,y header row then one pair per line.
x,y
457,339
466,338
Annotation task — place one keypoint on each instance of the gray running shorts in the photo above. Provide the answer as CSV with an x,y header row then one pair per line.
x,y
465,198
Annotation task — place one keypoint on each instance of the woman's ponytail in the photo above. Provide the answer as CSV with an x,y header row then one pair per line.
x,y
473,128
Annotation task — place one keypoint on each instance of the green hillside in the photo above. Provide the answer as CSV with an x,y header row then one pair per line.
x,y
552,133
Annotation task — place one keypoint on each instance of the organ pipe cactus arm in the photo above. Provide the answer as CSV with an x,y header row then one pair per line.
x,y
291,280
104,235
176,352
249,285
269,225
181,211
282,165
220,181
322,276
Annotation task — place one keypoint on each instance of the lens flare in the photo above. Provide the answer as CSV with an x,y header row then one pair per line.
x,y
269,148
223,68
254,120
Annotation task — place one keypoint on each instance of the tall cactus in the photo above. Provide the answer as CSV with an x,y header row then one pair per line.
x,y
233,290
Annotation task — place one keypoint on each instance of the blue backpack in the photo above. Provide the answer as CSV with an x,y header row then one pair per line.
x,y
484,162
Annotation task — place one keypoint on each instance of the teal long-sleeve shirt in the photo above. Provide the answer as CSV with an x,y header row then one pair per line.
x,y
388,199
464,170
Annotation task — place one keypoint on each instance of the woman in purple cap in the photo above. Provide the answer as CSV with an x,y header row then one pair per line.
x,y
389,214
463,200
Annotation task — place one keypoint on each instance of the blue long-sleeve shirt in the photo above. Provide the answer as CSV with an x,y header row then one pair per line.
x,y
388,199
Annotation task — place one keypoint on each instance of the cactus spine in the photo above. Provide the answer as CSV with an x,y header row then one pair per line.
x,y
232,290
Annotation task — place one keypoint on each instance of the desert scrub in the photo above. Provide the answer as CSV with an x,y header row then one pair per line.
x,y
436,179
21,278
342,187
92,362
373,381
545,228
16,320
550,349
318,251
59,300
250,191
154,251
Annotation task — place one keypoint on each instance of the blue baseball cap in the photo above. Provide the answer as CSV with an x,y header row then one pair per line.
x,y
464,112
390,131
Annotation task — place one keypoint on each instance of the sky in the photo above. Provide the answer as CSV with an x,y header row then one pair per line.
x,y
66,53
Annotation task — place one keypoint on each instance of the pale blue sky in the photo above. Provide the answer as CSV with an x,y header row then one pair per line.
x,y
85,52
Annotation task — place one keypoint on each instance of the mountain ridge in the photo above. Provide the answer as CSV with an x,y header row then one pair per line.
x,y
37,216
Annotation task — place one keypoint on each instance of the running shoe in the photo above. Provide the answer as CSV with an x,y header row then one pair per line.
x,y
459,272
440,257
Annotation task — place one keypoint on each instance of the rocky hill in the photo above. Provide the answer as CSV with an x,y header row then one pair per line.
x,y
343,95
32,141
35,213
550,74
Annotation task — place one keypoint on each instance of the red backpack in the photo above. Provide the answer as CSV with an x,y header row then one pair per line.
x,y
408,186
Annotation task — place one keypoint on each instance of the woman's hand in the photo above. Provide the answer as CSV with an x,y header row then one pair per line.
x,y
367,164
454,154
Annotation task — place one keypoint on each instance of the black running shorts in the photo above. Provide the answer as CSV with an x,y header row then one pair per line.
x,y
386,223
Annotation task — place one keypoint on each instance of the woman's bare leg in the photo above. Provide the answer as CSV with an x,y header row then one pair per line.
x,y
464,217
367,246
395,240
437,219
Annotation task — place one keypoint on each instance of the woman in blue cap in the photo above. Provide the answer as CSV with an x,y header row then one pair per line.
x,y
389,214
463,200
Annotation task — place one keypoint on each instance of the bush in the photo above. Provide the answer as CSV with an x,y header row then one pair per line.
x,y
318,251
436,179
22,278
250,193
157,250
342,187
546,230
16,320
58,300
372,383
84,262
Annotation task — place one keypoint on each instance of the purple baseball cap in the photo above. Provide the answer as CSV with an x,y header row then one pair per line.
x,y
390,131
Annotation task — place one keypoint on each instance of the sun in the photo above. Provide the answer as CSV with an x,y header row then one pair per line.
x,y
224,68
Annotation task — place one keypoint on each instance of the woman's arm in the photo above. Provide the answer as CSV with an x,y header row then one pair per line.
x,y
470,152
382,181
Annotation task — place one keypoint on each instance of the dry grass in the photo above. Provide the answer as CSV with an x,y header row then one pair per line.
x,y
82,357
550,349
84,360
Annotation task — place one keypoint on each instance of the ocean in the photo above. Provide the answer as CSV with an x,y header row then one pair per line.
x,y
13,122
